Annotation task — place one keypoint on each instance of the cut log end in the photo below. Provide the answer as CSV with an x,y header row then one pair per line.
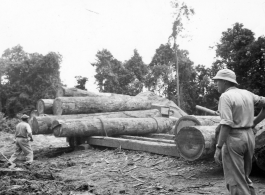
x,y
57,107
34,126
40,106
60,92
57,130
186,121
190,143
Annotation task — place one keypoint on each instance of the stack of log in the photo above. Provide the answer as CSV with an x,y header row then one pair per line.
x,y
83,116
143,122
196,138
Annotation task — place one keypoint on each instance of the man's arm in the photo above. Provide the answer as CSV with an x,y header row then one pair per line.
x,y
224,132
259,118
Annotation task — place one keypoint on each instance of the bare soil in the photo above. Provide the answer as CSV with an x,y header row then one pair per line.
x,y
57,169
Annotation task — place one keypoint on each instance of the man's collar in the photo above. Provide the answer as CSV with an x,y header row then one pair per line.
x,y
230,88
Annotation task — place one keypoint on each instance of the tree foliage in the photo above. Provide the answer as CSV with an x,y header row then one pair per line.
x,y
27,78
81,82
239,51
161,76
114,76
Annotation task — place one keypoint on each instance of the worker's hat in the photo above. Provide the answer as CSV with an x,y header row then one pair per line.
x,y
24,116
226,74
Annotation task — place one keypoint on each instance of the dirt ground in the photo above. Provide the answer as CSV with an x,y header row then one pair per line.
x,y
57,169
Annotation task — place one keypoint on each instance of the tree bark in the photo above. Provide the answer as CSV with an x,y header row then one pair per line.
x,y
45,106
74,92
43,124
86,105
111,127
192,120
197,142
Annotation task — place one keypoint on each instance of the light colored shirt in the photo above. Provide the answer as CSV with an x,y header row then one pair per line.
x,y
236,107
23,129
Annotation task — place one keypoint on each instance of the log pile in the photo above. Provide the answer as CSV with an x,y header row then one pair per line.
x,y
196,138
143,122
97,119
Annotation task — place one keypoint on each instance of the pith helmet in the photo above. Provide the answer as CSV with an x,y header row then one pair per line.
x,y
24,116
226,74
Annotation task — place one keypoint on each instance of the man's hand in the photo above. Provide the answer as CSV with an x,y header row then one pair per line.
x,y
217,156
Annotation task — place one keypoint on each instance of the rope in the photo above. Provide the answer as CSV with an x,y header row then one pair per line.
x,y
103,127
156,123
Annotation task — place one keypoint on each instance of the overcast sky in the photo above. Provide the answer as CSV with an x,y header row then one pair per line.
x,y
77,29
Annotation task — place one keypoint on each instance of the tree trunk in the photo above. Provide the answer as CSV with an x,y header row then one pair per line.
x,y
43,124
111,127
196,142
45,106
86,105
74,92
192,120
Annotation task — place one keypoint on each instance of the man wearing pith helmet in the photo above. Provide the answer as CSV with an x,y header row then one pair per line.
x,y
236,141
23,135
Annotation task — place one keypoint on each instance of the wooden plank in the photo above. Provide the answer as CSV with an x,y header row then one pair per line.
x,y
147,139
138,145
161,136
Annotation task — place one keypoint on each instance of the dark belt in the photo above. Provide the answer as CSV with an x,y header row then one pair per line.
x,y
243,128
20,137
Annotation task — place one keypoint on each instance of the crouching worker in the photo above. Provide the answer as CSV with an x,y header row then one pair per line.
x,y
22,135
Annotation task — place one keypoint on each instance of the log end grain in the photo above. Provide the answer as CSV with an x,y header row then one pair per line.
x,y
57,130
190,143
60,92
57,107
34,126
56,123
186,121
40,106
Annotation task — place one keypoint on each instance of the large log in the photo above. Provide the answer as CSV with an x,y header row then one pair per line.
x,y
112,126
196,142
193,120
74,92
45,106
43,124
86,105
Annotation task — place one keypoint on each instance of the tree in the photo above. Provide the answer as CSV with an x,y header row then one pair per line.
x,y
182,11
81,81
114,76
162,72
28,78
138,70
206,93
239,51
